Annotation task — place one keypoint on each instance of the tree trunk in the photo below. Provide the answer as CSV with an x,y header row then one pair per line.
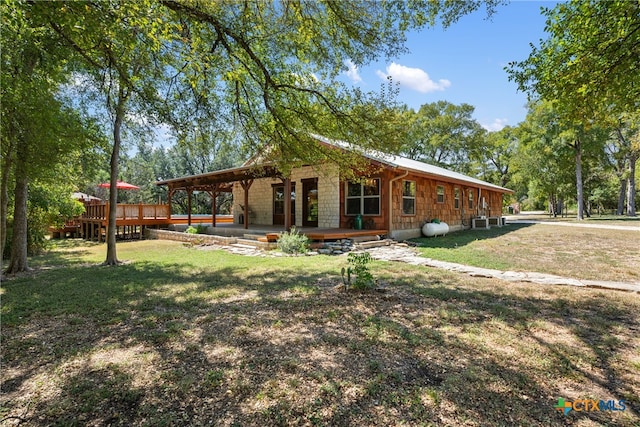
x,y
621,196
580,190
18,260
631,185
4,195
560,208
112,258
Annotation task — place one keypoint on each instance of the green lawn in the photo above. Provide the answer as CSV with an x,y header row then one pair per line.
x,y
183,336
582,253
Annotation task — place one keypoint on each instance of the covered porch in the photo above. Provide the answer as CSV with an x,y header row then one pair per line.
x,y
222,181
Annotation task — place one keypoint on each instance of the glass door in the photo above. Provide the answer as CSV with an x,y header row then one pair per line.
x,y
310,202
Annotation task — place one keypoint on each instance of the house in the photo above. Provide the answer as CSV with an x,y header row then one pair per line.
x,y
399,197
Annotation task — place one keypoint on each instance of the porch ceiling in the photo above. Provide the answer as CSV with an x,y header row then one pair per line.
x,y
221,179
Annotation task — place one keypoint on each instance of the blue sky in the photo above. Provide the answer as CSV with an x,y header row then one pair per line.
x,y
465,63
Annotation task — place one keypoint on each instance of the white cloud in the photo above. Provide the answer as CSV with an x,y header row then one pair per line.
x,y
352,71
414,78
498,124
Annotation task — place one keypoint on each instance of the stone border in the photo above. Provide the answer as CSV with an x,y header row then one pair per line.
x,y
199,239
403,253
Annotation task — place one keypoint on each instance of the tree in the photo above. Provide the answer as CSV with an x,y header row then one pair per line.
x,y
443,134
542,165
38,130
587,68
496,154
589,64
125,48
627,151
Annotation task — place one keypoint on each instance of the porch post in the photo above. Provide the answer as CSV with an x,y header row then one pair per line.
x,y
189,191
246,184
214,195
169,196
287,204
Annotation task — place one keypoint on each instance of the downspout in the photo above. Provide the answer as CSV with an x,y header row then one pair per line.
x,y
391,181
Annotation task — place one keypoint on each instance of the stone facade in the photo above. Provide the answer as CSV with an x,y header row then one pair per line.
x,y
261,197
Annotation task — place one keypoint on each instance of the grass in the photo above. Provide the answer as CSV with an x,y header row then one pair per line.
x,y
582,253
181,336
604,219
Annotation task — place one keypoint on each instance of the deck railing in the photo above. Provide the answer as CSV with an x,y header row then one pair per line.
x,y
126,211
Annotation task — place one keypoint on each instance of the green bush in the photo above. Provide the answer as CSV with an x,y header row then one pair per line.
x,y
357,274
293,242
191,230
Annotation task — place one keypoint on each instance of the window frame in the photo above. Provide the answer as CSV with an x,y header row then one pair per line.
x,y
440,198
470,199
362,197
456,197
409,197
274,200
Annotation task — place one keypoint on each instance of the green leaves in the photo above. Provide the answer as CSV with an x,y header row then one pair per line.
x,y
588,65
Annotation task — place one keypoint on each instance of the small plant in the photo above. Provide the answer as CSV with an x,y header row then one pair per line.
x,y
191,230
357,274
201,229
293,242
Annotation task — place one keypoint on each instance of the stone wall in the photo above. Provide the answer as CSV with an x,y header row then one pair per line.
x,y
261,197
150,233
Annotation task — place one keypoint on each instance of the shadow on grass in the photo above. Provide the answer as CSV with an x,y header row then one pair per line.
x,y
595,322
143,344
464,237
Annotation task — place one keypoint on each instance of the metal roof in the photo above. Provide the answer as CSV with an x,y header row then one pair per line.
x,y
253,171
399,162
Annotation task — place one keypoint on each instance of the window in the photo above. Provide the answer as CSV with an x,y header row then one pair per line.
x,y
363,197
456,198
278,199
470,199
408,197
440,193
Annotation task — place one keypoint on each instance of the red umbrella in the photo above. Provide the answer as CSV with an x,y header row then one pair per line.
x,y
121,185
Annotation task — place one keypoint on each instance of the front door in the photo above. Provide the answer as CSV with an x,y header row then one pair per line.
x,y
278,204
310,202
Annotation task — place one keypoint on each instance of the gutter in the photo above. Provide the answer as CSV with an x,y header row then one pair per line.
x,y
391,181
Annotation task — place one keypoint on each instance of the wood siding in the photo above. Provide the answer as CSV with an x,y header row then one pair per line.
x,y
428,207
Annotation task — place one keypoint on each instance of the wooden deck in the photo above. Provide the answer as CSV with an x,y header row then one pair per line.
x,y
132,219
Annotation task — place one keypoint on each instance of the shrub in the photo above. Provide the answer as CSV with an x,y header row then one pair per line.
x,y
357,274
293,242
191,230
201,229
